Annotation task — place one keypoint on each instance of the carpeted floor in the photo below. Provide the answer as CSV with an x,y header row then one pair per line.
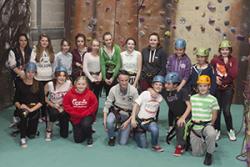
x,y
65,153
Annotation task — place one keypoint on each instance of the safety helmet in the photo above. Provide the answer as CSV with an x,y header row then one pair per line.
x,y
31,67
158,78
202,52
204,79
61,69
225,44
172,77
180,43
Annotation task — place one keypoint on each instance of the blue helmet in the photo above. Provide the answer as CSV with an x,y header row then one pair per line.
x,y
172,77
180,43
158,78
30,67
61,69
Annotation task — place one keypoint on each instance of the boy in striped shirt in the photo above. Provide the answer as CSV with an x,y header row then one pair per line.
x,y
204,113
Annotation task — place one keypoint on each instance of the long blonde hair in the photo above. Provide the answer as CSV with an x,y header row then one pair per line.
x,y
49,49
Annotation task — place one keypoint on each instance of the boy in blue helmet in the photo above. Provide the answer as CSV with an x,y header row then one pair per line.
x,y
144,113
179,62
179,104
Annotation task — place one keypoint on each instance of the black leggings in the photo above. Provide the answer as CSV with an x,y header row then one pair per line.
x,y
28,124
63,119
83,130
97,89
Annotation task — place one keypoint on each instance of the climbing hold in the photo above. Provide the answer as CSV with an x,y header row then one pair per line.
x,y
188,27
211,21
169,21
169,5
203,14
162,27
129,21
219,1
197,7
203,29
240,37
89,38
141,19
162,12
83,19
182,20
233,29
117,22
87,2
141,33
226,23
145,27
167,34
148,12
99,3
211,7
174,27
107,9
217,29
227,7
176,1
100,28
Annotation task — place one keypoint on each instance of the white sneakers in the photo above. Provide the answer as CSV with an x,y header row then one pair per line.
x,y
48,136
23,143
217,134
231,135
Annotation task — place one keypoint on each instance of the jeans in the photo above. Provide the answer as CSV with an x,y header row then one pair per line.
x,y
123,134
141,138
83,130
224,98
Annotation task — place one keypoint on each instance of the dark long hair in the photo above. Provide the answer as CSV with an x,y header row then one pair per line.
x,y
27,49
55,78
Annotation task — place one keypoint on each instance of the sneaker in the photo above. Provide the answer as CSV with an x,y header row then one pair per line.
x,y
169,129
23,143
93,129
217,134
90,142
208,159
111,141
157,148
178,151
48,136
231,135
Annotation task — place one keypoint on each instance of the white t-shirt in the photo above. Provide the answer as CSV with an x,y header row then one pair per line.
x,y
56,96
130,61
44,67
148,105
91,64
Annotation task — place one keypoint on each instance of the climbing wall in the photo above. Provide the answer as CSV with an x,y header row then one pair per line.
x,y
203,23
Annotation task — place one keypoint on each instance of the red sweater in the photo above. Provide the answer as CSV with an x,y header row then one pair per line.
x,y
79,105
227,72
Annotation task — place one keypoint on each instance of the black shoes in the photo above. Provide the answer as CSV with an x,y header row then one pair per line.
x,y
111,141
208,159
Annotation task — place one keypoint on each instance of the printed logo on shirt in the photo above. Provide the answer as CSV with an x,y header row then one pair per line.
x,y
79,104
172,98
183,65
152,106
57,96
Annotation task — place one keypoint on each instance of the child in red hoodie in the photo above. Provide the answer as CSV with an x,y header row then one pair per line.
x,y
81,103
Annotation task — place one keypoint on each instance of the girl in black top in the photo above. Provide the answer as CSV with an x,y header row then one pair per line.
x,y
28,100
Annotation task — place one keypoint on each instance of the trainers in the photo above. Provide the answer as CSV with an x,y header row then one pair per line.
x,y
93,129
23,143
48,136
90,142
157,148
111,141
231,135
217,134
208,159
178,151
169,129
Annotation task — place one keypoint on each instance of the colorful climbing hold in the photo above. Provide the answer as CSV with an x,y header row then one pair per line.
x,y
233,29
211,7
227,7
226,23
188,27
211,21
203,29
240,37
167,33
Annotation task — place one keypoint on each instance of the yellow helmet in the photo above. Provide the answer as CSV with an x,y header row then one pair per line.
x,y
225,44
204,79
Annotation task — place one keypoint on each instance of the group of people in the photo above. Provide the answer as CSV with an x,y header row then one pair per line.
x,y
66,86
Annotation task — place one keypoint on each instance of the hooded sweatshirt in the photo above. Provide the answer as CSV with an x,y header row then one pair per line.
x,y
80,105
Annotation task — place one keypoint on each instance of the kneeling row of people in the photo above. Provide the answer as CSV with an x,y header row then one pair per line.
x,y
124,109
